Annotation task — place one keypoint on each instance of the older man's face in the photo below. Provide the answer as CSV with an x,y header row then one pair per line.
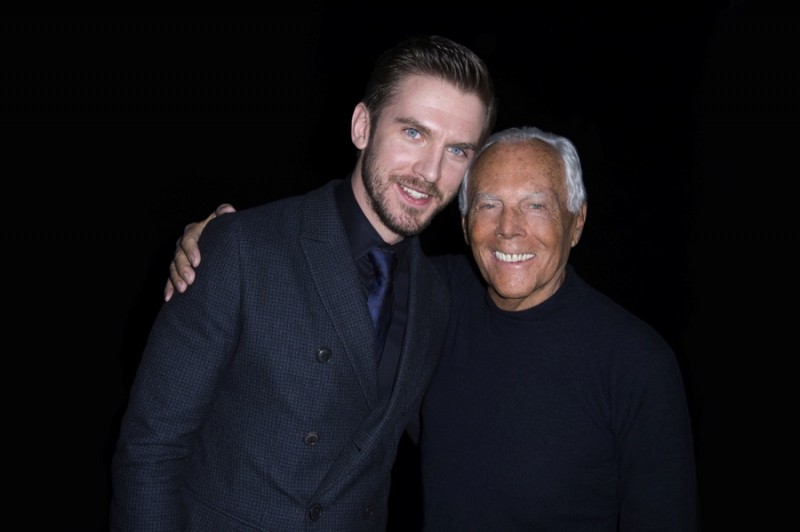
x,y
517,223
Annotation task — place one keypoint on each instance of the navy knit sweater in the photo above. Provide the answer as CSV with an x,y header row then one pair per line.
x,y
570,416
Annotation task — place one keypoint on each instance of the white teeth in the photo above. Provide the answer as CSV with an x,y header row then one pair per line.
x,y
414,194
513,257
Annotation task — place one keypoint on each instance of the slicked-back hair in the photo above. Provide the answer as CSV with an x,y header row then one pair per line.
x,y
430,56
576,191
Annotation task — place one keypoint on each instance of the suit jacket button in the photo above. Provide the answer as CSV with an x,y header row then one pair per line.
x,y
323,354
311,438
314,512
369,512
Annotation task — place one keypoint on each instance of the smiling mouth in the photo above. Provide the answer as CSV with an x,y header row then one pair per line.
x,y
415,193
513,257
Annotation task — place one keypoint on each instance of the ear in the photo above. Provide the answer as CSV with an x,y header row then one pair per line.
x,y
580,221
464,229
359,126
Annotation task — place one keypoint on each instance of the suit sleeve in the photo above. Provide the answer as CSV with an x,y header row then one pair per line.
x,y
186,354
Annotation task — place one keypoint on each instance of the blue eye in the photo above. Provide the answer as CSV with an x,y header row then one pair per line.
x,y
457,151
411,132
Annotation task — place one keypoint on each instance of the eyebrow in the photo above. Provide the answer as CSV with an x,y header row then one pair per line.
x,y
530,195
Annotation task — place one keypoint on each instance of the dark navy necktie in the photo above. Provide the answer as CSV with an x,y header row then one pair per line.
x,y
380,292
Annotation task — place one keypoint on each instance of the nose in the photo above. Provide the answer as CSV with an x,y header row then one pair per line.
x,y
509,224
429,164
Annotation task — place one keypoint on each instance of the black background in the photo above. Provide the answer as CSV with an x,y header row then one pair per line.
x,y
118,131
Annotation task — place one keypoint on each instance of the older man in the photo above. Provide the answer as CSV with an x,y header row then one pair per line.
x,y
552,407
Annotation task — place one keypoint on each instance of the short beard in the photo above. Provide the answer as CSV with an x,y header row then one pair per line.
x,y
408,222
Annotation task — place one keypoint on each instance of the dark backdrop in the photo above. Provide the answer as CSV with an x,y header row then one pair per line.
x,y
121,130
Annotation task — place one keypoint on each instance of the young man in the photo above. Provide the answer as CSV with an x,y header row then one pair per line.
x,y
552,407
262,401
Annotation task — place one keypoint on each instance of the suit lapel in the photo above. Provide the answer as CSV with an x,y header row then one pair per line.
x,y
328,258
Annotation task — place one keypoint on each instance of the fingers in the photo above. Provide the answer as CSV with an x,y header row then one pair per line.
x,y
174,282
185,259
168,290
224,208
187,250
189,242
181,273
187,254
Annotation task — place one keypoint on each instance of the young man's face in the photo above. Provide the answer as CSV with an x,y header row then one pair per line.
x,y
518,224
415,155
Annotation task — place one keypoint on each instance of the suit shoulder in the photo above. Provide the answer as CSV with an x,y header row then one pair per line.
x,y
265,214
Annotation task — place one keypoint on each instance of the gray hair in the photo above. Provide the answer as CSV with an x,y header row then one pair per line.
x,y
576,192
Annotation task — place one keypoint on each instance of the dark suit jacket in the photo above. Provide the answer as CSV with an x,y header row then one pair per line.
x,y
255,405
